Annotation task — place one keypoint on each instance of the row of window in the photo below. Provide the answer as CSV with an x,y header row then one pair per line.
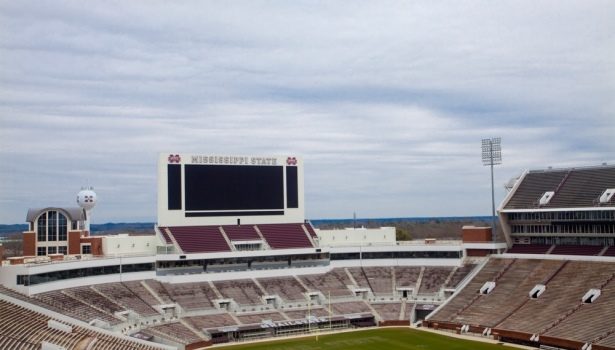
x,y
41,251
29,280
564,228
397,255
51,226
592,215
592,241
242,260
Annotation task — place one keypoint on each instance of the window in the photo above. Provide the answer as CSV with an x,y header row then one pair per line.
x,y
62,228
42,228
41,251
52,250
86,249
62,250
52,226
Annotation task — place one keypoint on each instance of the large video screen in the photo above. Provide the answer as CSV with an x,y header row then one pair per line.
x,y
233,187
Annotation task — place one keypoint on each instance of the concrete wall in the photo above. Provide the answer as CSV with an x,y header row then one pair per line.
x,y
124,244
356,237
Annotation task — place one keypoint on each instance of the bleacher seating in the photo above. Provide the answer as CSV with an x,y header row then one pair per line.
x,y
199,239
577,250
378,279
244,292
160,290
25,329
334,282
138,289
610,251
75,308
288,288
467,295
91,297
563,292
406,276
459,274
258,318
285,236
165,235
317,311
191,296
126,297
350,307
588,322
175,331
511,292
533,187
434,278
310,229
388,311
241,233
583,187
211,321
529,249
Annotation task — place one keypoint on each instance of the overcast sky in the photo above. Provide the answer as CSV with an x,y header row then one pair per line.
x,y
387,102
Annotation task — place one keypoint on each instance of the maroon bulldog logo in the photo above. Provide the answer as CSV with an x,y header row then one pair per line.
x,y
174,158
291,161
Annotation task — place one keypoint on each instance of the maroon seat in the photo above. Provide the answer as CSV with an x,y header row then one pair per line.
x,y
199,239
529,249
577,250
241,233
610,251
283,236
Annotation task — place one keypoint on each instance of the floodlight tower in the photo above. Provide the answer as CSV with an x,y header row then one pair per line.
x,y
492,155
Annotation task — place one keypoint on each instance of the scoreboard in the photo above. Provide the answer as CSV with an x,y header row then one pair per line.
x,y
195,189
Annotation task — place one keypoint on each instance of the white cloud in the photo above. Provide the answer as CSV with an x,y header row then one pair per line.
x,y
386,101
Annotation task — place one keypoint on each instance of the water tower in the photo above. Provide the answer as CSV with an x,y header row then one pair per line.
x,y
86,199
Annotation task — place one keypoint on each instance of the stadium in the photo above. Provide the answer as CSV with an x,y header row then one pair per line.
x,y
233,259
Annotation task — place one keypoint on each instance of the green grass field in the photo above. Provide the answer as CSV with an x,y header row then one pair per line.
x,y
386,338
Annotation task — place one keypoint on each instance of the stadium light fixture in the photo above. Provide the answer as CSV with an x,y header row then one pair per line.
x,y
492,155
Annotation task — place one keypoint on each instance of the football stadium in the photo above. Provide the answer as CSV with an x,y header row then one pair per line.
x,y
234,263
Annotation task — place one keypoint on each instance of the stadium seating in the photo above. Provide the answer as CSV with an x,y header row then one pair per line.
x,y
610,251
562,294
199,239
533,187
288,288
75,308
433,279
351,307
165,235
174,331
407,276
258,318
191,296
577,250
211,321
317,311
126,297
529,249
378,279
459,274
25,329
334,282
241,233
244,292
583,187
388,311
284,236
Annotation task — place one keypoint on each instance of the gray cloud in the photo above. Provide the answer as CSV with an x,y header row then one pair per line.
x,y
386,101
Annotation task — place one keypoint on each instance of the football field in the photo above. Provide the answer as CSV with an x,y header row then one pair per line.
x,y
386,338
